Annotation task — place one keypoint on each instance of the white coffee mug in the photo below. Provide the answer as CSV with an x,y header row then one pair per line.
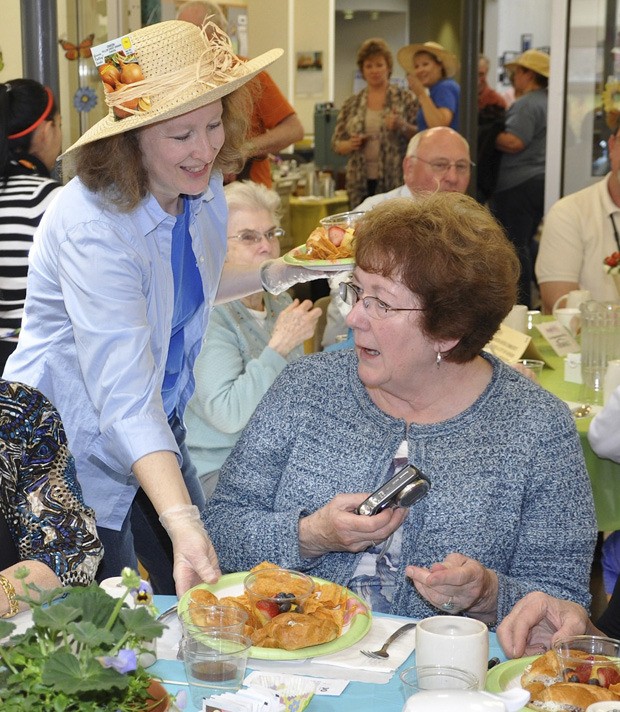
x,y
454,641
517,318
570,318
572,300
612,379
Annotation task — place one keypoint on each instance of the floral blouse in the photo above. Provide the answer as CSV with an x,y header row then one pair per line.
x,y
40,497
392,144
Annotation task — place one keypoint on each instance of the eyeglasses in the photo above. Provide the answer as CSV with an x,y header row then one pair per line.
x,y
253,237
441,166
377,309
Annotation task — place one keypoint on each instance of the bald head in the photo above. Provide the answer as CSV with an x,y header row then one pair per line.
x,y
427,151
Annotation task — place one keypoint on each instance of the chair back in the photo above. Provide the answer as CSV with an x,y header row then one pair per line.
x,y
314,344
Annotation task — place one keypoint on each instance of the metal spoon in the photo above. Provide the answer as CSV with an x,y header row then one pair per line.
x,y
582,411
167,612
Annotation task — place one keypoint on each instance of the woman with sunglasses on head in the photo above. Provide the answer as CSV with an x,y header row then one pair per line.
x,y
126,268
509,508
249,341
30,141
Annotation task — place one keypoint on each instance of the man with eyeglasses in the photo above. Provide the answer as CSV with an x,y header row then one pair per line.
x,y
437,159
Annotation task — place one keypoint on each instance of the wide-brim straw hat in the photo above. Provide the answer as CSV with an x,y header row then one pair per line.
x,y
406,55
184,68
532,59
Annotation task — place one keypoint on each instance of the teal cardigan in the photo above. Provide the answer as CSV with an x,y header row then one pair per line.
x,y
233,372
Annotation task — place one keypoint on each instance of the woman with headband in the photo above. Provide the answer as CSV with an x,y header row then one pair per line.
x,y
30,140
123,275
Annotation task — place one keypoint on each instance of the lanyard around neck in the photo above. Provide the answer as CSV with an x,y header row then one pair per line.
x,y
615,229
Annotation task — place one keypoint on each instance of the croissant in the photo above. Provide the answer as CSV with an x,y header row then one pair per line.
x,y
292,631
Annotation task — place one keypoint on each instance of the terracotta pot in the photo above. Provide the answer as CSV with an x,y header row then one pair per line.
x,y
161,700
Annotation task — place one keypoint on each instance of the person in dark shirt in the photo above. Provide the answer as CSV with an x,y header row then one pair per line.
x,y
30,141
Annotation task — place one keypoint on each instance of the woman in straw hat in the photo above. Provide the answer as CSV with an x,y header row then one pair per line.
x,y
430,69
518,200
126,267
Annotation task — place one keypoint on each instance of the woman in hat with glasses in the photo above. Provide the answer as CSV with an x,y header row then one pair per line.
x,y
30,141
127,266
430,68
510,504
519,196
249,341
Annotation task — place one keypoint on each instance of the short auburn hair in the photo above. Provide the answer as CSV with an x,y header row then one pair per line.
x,y
375,45
451,252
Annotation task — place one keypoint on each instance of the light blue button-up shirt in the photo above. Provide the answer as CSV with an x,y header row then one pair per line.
x,y
97,324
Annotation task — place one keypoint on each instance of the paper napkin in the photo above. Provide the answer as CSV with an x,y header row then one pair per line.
x,y
380,630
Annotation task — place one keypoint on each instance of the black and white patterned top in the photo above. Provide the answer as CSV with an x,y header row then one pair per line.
x,y
24,197
40,497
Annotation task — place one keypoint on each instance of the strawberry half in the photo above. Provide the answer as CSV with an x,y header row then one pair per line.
x,y
335,234
268,609
608,676
583,672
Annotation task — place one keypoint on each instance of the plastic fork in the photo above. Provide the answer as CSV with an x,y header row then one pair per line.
x,y
382,653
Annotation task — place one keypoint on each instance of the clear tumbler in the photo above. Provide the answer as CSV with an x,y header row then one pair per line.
x,y
600,343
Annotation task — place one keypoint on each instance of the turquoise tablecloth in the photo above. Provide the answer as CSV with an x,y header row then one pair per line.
x,y
357,697
604,474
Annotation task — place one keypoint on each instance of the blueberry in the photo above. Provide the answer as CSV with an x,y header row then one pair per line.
x,y
284,601
573,678
594,681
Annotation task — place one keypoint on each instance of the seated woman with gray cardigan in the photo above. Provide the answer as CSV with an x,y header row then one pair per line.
x,y
248,341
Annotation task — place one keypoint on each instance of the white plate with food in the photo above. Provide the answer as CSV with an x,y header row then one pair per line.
x,y
297,257
543,685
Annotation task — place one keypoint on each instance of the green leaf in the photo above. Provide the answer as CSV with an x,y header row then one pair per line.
x,y
63,671
95,603
140,623
88,634
56,617
6,628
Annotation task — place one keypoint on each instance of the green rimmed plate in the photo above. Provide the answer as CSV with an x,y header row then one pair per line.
x,y
508,675
232,585
291,258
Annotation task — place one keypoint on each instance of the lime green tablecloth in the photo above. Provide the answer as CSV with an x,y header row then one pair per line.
x,y
604,474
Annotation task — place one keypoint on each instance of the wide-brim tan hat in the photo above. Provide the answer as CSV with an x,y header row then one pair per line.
x,y
532,59
406,55
184,68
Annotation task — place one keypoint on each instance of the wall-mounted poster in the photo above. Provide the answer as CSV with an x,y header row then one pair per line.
x,y
309,75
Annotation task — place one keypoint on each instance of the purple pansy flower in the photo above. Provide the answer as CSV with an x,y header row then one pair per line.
x,y
126,661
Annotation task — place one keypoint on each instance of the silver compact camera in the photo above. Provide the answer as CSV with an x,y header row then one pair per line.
x,y
407,487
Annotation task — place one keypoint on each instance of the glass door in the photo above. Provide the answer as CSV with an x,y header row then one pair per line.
x,y
592,99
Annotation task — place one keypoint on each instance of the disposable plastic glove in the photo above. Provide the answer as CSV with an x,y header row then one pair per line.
x,y
195,560
277,276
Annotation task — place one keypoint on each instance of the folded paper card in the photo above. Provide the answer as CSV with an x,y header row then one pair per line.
x,y
558,338
508,344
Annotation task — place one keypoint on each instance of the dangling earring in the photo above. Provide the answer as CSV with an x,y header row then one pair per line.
x,y
438,359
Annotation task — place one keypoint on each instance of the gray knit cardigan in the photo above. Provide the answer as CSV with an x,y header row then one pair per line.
x,y
509,483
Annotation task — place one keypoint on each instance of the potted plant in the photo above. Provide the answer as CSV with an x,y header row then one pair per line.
x,y
82,652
